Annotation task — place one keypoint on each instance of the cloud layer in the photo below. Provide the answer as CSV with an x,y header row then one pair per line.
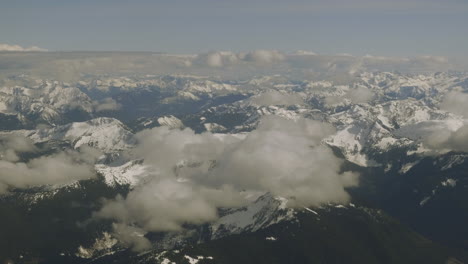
x,y
72,66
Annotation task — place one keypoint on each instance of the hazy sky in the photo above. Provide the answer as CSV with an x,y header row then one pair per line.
x,y
379,27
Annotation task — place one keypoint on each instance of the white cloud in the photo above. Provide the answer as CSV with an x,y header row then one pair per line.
x,y
263,56
11,145
226,58
456,102
286,158
72,66
194,174
131,236
438,136
216,59
304,53
62,168
446,140
106,104
6,47
360,94
355,95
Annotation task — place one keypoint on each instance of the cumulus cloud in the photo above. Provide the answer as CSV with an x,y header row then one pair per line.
x,y
277,98
106,104
195,174
61,168
216,59
264,56
456,102
16,48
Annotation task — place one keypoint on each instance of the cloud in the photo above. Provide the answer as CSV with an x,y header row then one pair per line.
x,y
438,136
277,98
73,66
195,174
446,140
263,56
61,168
131,236
11,145
304,53
286,158
356,95
216,59
455,102
360,94
106,104
15,48
226,58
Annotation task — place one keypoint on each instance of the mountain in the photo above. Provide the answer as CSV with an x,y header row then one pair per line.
x,y
333,234
410,205
45,102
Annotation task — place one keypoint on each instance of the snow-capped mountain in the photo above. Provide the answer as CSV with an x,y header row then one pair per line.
x,y
379,123
50,102
105,134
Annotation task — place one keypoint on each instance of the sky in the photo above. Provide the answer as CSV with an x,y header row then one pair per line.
x,y
358,27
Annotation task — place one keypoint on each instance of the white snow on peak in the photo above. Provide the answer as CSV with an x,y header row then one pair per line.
x,y
106,134
170,121
265,211
214,127
45,101
131,173
167,261
449,183
196,259
406,167
311,211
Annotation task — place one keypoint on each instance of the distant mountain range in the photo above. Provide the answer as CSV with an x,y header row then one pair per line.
x,y
401,133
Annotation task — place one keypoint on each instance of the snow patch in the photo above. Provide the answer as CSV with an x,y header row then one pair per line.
x,y
101,245
265,211
449,183
310,210
170,121
406,167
